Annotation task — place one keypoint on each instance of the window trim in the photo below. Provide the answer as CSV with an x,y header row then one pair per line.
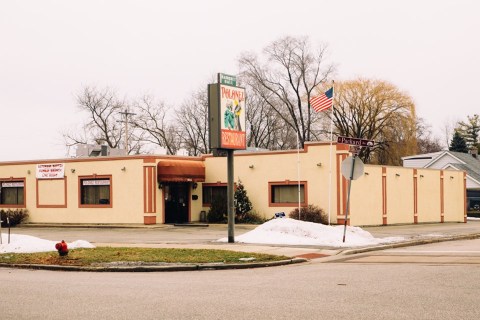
x,y
93,177
64,205
287,183
12,179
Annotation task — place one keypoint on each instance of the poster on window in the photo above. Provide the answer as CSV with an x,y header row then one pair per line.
x,y
50,171
232,117
17,184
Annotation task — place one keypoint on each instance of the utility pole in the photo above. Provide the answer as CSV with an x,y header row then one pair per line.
x,y
126,114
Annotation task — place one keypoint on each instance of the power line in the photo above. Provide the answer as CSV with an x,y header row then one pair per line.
x,y
126,114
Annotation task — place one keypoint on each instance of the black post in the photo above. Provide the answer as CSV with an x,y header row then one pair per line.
x,y
8,222
348,196
230,194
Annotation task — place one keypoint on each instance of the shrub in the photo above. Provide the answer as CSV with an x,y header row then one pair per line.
x,y
310,213
218,211
243,205
15,216
252,217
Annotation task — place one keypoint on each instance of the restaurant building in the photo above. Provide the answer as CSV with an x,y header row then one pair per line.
x,y
159,189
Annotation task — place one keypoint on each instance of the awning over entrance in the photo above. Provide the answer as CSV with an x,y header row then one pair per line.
x,y
181,170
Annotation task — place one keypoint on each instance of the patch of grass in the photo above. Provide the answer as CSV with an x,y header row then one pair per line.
x,y
88,257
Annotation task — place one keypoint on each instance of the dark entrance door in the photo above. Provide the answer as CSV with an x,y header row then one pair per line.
x,y
176,201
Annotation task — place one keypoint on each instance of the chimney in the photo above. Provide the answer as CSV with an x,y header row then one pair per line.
x,y
104,150
473,151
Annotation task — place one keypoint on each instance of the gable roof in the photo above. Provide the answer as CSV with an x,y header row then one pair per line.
x,y
471,173
460,161
460,157
432,155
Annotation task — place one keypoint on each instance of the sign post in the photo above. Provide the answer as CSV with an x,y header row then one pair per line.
x,y
227,131
352,168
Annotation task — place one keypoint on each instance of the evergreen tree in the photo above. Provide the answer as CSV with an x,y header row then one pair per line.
x,y
243,205
458,143
470,130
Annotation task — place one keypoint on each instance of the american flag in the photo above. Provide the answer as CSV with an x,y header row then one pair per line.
x,y
323,101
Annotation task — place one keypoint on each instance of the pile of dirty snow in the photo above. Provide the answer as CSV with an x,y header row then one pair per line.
x,y
28,244
294,232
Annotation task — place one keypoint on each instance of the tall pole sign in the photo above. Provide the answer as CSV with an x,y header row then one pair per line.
x,y
227,130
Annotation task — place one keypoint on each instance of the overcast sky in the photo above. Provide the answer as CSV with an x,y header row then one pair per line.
x,y
51,49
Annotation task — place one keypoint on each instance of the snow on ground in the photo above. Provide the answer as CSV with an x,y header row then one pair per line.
x,y
28,244
294,232
472,218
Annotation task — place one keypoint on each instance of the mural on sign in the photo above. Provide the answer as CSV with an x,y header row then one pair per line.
x,y
232,108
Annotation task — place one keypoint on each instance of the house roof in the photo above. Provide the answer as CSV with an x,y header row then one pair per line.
x,y
432,155
471,173
465,162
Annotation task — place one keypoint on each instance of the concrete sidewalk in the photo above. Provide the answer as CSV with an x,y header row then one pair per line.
x,y
205,236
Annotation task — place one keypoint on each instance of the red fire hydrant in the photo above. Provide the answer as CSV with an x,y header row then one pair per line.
x,y
62,248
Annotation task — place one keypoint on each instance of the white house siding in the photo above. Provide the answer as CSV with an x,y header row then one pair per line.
x,y
416,163
443,161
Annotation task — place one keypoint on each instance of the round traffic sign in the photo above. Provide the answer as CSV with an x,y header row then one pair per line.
x,y
347,165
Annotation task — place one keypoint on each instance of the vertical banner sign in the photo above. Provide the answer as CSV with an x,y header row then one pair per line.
x,y
227,128
232,112
227,118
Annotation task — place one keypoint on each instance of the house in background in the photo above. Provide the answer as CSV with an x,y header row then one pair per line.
x,y
468,162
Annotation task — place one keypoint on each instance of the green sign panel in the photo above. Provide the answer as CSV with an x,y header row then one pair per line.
x,y
227,79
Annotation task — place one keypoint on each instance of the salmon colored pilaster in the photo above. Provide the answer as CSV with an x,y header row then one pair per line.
x,y
442,202
465,196
415,196
384,195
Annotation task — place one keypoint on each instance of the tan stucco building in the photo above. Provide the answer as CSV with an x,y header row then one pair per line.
x,y
152,189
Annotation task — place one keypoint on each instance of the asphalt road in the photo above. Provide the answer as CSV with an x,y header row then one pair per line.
x,y
356,288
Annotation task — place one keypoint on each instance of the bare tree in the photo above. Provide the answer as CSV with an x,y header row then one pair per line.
x,y
192,119
102,126
151,121
265,129
426,142
449,127
376,110
285,81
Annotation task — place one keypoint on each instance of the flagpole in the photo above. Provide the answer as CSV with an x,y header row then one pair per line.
x,y
321,103
298,172
330,158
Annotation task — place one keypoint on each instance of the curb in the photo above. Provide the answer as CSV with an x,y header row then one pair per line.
x,y
168,268
411,243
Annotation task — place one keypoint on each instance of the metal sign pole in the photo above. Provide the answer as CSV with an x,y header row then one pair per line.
x,y
230,195
348,196
8,223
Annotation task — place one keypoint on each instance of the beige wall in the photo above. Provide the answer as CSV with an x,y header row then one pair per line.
x,y
278,167
383,195
453,182
399,195
127,192
366,198
429,203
